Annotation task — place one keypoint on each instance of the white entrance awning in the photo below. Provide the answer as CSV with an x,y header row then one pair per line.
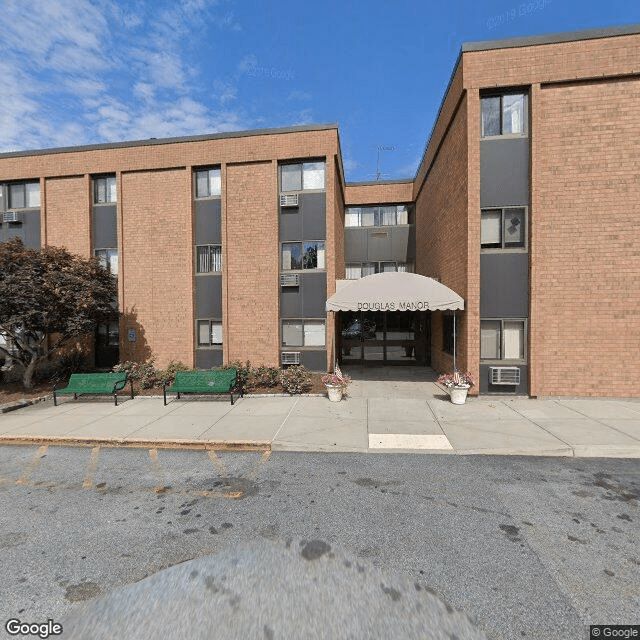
x,y
395,292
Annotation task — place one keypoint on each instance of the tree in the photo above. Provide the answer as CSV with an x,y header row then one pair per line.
x,y
49,292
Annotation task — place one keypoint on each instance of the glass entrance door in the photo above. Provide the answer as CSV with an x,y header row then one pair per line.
x,y
384,337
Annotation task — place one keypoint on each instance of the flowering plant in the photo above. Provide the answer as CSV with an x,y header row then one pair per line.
x,y
337,379
456,379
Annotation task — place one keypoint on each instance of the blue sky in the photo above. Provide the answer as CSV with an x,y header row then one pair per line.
x,y
86,71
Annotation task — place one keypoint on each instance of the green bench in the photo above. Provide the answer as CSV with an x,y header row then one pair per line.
x,y
213,381
94,383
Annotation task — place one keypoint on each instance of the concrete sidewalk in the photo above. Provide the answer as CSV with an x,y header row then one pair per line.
x,y
382,415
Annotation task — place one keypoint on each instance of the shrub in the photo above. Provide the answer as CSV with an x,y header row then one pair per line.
x,y
295,379
144,373
244,376
167,376
72,362
266,376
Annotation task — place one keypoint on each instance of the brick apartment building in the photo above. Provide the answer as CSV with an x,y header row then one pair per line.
x,y
526,205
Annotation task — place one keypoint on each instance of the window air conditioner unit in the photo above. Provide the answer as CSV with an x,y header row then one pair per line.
x,y
12,216
290,357
288,199
504,375
289,280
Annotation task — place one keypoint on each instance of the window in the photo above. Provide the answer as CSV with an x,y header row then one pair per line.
x,y
303,255
208,183
24,195
448,336
108,259
356,270
305,176
208,258
108,334
376,216
503,115
503,228
502,339
104,190
209,333
303,333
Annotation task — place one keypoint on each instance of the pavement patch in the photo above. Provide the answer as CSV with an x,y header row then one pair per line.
x,y
409,441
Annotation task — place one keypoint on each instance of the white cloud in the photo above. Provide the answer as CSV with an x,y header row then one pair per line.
x,y
82,71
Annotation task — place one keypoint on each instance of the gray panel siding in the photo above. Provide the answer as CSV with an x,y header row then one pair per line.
x,y
314,360
28,230
504,285
105,227
355,244
290,225
521,389
314,216
307,300
307,221
290,302
208,218
208,358
209,296
504,172
314,295
31,225
372,244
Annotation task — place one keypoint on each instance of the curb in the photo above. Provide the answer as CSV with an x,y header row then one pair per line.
x,y
18,404
140,443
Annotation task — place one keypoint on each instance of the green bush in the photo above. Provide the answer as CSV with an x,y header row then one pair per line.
x,y
144,373
167,375
266,376
295,379
62,367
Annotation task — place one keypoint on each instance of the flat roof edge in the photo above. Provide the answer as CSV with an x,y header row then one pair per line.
x,y
371,183
552,38
174,140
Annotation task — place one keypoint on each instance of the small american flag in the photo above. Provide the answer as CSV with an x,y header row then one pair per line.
x,y
456,377
337,371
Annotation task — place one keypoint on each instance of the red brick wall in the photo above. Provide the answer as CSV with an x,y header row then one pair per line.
x,y
379,193
157,265
67,214
252,255
442,235
585,239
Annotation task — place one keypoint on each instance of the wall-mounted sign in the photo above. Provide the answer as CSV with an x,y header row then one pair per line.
x,y
131,335
420,305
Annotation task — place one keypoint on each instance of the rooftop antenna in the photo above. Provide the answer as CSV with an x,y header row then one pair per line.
x,y
381,148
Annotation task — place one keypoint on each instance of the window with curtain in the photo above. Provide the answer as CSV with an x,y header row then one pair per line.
x,y
502,339
302,176
303,333
208,258
104,190
372,216
503,115
303,255
208,183
108,259
503,228
209,333
24,195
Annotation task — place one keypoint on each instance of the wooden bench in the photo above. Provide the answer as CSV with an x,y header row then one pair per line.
x,y
94,383
213,381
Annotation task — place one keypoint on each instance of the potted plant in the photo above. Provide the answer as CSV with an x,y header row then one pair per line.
x,y
336,384
458,384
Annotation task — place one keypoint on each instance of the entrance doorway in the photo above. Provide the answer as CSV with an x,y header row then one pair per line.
x,y
107,350
384,337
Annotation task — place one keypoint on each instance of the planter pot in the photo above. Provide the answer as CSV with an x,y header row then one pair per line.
x,y
335,393
458,394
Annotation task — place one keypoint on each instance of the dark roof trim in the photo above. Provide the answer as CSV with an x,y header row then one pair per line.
x,y
178,140
552,38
